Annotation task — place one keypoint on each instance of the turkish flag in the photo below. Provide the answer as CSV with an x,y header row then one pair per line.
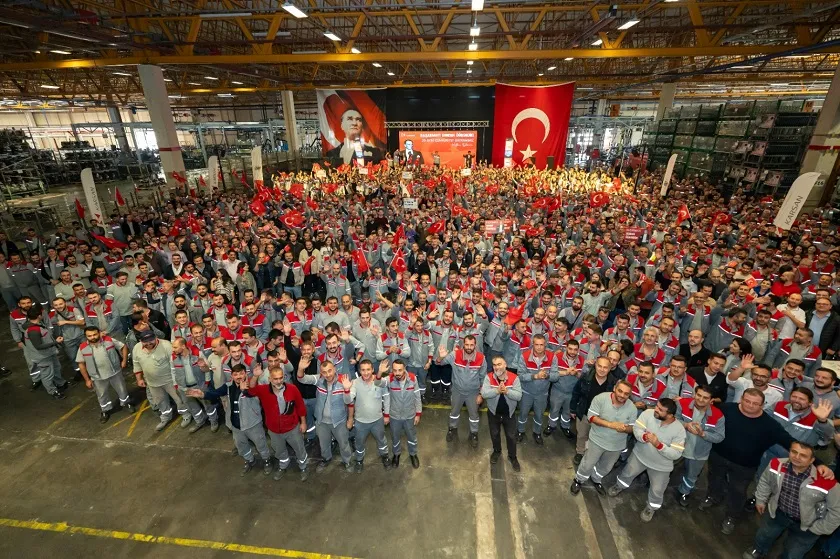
x,y
515,314
682,214
80,210
108,242
398,262
257,206
119,197
598,199
194,224
536,118
293,219
201,181
437,227
307,266
358,256
297,190
399,235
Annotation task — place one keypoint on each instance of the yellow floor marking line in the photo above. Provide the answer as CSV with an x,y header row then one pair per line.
x,y
64,528
176,424
67,415
137,415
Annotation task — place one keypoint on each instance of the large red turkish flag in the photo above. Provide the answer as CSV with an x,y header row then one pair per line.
x,y
536,119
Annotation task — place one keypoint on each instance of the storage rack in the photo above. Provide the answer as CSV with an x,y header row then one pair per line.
x,y
20,174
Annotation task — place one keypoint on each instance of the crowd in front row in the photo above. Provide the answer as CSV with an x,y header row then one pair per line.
x,y
693,345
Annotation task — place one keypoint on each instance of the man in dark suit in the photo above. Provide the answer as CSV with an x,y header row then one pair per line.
x,y
826,327
412,157
352,123
712,375
7,247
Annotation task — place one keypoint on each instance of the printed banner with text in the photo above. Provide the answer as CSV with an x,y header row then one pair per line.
x,y
352,125
420,146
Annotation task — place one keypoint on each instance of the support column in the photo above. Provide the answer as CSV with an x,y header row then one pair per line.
x,y
826,133
666,100
160,113
119,130
290,121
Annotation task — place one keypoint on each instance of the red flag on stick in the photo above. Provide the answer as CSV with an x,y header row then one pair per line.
x,y
398,235
307,266
108,242
119,197
682,214
437,227
398,262
359,258
515,314
598,199
80,210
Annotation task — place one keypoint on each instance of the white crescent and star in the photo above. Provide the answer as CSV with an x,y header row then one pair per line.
x,y
525,114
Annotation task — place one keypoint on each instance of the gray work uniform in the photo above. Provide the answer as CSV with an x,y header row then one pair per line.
x,y
605,444
157,372
244,419
402,404
657,461
534,390
73,335
467,374
331,403
39,348
697,448
367,401
103,362
187,374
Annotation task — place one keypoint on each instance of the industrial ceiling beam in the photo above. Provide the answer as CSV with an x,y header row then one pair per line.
x,y
423,56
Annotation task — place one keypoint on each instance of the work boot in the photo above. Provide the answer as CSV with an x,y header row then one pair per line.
x,y
494,457
268,466
749,506
386,462
322,465
129,407
451,434
162,425
548,431
185,421
103,417
538,439
707,503
278,473
728,525
568,433
360,465
682,499
196,427
614,490
752,554
415,461
647,514
4,372
574,489
304,475
599,487
247,467
348,467
474,440
577,459
520,438
515,463
35,386
214,427
58,395
395,461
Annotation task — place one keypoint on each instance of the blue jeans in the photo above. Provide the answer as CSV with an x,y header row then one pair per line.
x,y
310,418
125,323
293,290
797,543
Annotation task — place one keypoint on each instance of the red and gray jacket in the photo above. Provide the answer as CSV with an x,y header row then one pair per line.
x,y
114,357
805,428
466,370
779,354
402,398
713,423
649,395
819,498
530,365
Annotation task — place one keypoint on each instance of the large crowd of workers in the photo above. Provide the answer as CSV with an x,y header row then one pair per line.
x,y
661,336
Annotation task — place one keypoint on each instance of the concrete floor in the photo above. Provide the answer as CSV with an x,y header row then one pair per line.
x,y
182,492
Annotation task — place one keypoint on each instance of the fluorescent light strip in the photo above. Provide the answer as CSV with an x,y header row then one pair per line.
x,y
121,74
568,58
294,10
332,36
628,24
390,73
61,52
210,78
225,15
377,65
550,68
47,86
597,43
354,50
235,82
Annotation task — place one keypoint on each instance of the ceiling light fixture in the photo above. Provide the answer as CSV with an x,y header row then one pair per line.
x,y
473,46
628,24
550,68
61,52
193,83
332,36
469,71
391,73
218,15
235,82
475,31
477,5
210,78
294,10
354,50
470,62
568,58
377,65
47,86
167,80
597,43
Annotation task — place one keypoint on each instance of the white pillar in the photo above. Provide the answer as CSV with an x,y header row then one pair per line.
x,y
160,113
288,101
826,133
666,99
